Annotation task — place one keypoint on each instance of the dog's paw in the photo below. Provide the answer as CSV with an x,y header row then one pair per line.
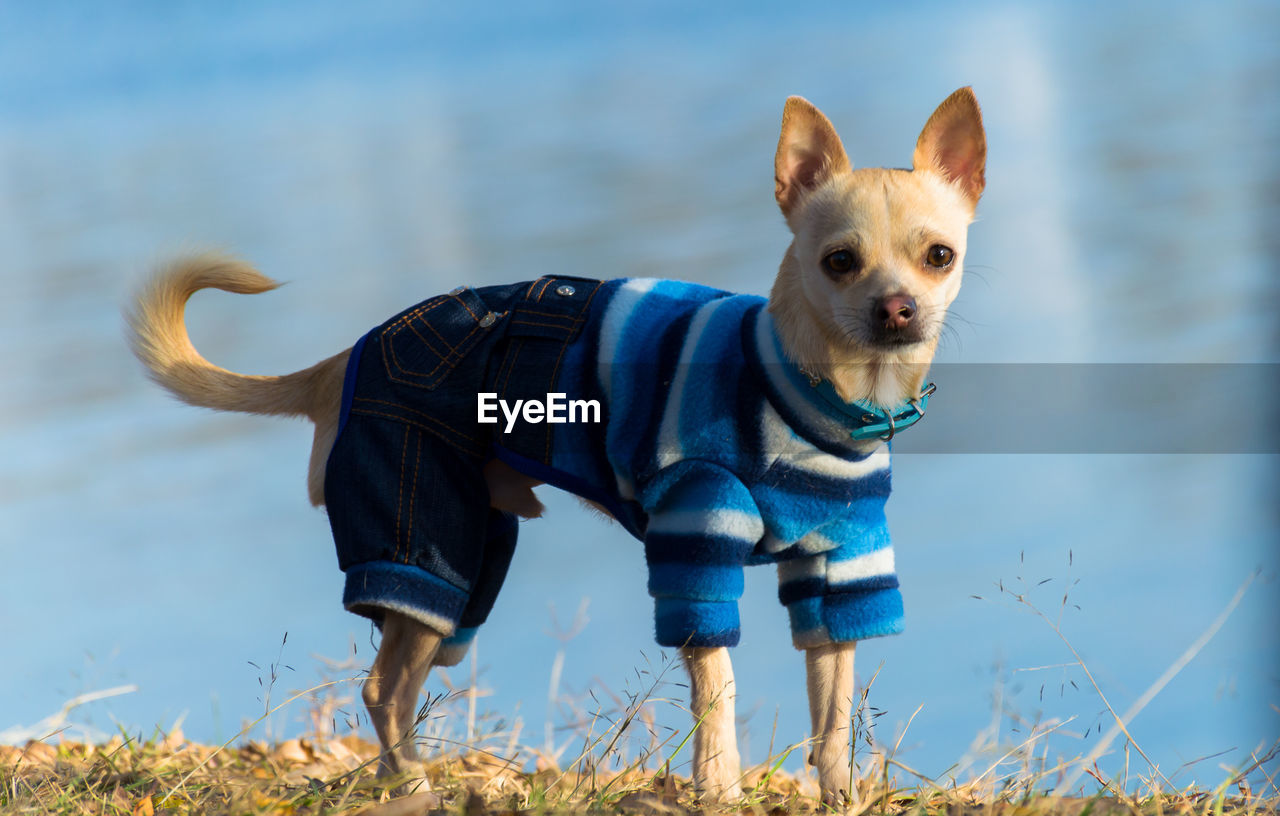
x,y
403,777
718,793
836,800
718,782
835,782
412,805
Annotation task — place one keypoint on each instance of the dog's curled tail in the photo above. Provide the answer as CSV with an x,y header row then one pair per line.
x,y
158,336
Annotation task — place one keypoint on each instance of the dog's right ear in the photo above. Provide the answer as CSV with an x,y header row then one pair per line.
x,y
809,153
954,145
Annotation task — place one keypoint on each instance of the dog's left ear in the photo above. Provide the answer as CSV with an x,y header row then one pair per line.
x,y
954,145
809,153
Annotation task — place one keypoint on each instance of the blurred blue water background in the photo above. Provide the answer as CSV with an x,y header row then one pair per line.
x,y
375,153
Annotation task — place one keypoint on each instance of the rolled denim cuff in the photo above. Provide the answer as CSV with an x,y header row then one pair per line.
x,y
376,587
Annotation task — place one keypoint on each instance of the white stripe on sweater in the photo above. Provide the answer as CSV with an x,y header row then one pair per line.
x,y
774,364
816,542
737,524
837,573
669,448
870,565
798,569
612,328
614,324
772,544
781,442
802,404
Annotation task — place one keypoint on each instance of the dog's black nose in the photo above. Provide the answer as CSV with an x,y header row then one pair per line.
x,y
895,311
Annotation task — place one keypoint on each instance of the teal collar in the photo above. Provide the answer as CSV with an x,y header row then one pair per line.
x,y
872,422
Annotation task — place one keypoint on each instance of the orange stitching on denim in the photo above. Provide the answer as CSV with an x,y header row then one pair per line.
x,y
556,369
407,320
585,306
463,342
431,347
425,416
504,368
550,384
526,313
514,353
445,342
544,313
422,414
390,332
515,322
529,292
408,372
445,359
400,491
466,306
545,283
392,328
413,495
430,305
474,448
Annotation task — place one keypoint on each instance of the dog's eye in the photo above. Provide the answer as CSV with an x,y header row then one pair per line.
x,y
840,262
939,256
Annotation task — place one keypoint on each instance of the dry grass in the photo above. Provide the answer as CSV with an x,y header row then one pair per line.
x,y
607,756
303,776
613,760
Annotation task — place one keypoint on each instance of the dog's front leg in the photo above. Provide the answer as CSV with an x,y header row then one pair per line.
x,y
391,692
829,674
717,768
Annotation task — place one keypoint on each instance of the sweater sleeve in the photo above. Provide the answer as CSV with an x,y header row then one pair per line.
x,y
846,590
702,525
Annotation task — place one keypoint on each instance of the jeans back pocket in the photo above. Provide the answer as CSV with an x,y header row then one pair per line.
x,y
424,344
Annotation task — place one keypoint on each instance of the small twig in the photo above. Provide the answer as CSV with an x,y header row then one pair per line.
x,y
905,728
1141,703
1034,736
240,734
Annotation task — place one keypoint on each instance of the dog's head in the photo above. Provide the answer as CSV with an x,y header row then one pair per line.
x,y
878,254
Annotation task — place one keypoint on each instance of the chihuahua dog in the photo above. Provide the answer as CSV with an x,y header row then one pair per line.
x,y
728,430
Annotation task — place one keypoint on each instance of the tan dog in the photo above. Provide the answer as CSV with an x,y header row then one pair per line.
x,y
859,301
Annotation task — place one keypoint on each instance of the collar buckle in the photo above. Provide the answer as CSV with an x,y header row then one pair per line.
x,y
885,426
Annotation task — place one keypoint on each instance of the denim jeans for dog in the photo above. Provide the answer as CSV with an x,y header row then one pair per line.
x,y
404,486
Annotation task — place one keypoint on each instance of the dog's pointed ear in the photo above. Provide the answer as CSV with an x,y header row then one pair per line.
x,y
954,145
809,153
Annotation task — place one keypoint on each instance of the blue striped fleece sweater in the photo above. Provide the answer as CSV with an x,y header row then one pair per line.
x,y
718,454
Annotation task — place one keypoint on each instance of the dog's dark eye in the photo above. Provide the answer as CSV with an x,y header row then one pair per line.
x,y
840,262
939,256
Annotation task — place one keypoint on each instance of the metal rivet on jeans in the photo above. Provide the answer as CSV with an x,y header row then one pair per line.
x,y
564,290
488,320
459,290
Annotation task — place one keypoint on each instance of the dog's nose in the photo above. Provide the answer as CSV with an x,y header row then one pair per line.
x,y
895,311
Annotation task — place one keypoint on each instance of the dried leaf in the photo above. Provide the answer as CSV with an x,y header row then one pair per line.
x,y
39,753
412,805
648,803
294,751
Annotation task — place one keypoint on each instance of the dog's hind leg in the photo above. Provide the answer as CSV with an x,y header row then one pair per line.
x,y
391,693
717,771
829,671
